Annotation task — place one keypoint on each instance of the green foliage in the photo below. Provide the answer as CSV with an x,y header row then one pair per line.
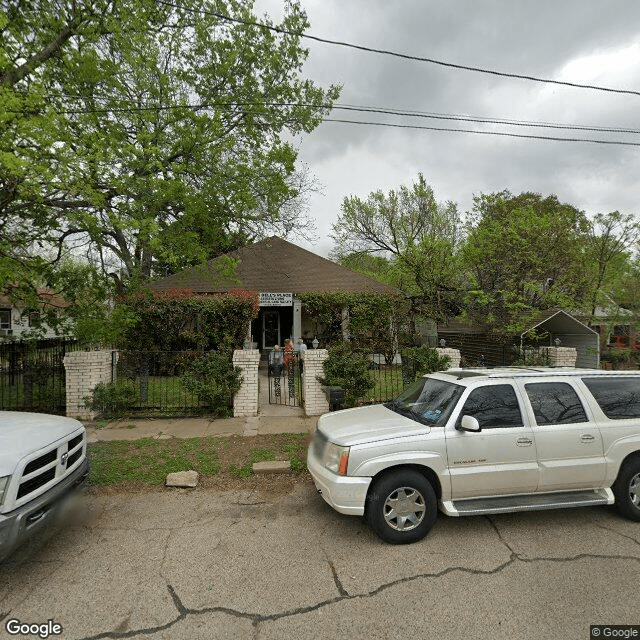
x,y
376,322
214,379
181,320
113,398
524,254
102,141
415,236
348,369
422,360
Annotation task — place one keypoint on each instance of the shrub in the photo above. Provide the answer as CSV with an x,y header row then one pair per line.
x,y
113,398
214,379
349,370
419,361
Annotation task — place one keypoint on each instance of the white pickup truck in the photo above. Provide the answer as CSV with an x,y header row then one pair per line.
x,y
483,441
42,459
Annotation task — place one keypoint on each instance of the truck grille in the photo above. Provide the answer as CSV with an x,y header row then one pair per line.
x,y
54,464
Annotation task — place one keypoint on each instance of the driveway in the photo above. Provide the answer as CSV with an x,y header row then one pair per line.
x,y
202,564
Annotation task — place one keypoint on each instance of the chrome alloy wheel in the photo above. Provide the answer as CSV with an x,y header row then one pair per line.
x,y
404,509
634,490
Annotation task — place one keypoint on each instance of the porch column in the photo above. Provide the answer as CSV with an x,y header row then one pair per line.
x,y
297,319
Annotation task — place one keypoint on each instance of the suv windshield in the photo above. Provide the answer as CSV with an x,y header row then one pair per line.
x,y
427,400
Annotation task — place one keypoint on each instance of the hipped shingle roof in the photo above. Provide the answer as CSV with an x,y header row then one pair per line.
x,y
273,265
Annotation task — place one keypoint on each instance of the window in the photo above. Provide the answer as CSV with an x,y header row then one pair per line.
x,y
555,403
618,397
427,400
5,318
494,407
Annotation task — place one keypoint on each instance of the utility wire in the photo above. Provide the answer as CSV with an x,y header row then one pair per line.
x,y
486,133
396,54
361,109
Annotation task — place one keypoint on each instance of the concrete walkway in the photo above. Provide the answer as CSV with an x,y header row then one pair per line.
x,y
271,418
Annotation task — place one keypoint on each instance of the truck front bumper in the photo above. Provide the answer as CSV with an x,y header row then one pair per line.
x,y
346,494
16,526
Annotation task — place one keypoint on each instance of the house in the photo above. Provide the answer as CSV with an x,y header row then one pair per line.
x,y
17,321
279,271
555,327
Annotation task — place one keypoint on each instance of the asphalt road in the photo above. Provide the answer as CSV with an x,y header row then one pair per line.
x,y
200,564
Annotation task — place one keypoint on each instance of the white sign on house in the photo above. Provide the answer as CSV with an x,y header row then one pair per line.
x,y
276,299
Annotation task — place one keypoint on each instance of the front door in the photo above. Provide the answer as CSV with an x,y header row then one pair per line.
x,y
501,458
270,328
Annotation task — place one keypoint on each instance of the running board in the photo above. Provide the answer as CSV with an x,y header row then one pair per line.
x,y
530,502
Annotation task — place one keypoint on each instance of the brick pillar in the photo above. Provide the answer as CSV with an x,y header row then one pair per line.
x,y
560,356
454,356
84,370
315,400
245,402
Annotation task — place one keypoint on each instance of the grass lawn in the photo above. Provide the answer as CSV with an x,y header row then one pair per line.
x,y
148,461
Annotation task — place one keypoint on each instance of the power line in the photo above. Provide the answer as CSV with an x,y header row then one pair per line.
x,y
404,56
361,109
486,133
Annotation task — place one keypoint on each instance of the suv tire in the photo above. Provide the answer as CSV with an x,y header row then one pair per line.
x,y
626,489
402,506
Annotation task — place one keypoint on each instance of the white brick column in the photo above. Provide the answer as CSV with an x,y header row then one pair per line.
x,y
315,400
560,356
453,354
245,402
83,371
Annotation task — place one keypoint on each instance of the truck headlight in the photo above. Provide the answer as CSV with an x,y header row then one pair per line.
x,y
4,481
336,458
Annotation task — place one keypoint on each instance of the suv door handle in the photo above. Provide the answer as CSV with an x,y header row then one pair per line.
x,y
524,442
587,437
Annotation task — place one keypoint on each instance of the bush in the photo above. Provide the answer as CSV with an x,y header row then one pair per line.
x,y
347,369
214,379
113,398
419,361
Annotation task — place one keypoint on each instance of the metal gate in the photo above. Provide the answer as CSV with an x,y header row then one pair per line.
x,y
285,381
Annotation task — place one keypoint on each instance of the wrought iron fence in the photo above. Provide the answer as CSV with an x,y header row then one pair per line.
x,y
32,375
152,384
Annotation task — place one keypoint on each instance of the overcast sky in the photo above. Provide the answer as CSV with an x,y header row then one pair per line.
x,y
589,42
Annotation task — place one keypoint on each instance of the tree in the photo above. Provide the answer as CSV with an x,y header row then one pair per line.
x,y
612,238
148,131
413,239
523,254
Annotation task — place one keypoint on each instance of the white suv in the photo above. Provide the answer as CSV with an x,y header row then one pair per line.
x,y
483,441
42,459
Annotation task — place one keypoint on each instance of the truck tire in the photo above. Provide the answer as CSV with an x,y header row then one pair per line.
x,y
626,489
401,506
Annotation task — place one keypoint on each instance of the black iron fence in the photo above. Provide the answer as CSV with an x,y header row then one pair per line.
x,y
154,384
32,376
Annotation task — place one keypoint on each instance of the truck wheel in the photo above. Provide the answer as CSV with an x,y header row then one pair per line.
x,y
401,506
626,489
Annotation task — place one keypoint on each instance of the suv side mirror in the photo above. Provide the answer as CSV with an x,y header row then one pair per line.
x,y
469,423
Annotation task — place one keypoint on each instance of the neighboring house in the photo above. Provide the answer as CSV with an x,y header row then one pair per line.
x,y
16,321
554,328
279,271
617,326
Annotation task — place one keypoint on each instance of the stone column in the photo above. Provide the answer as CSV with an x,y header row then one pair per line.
x,y
560,356
84,370
315,400
245,402
454,356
